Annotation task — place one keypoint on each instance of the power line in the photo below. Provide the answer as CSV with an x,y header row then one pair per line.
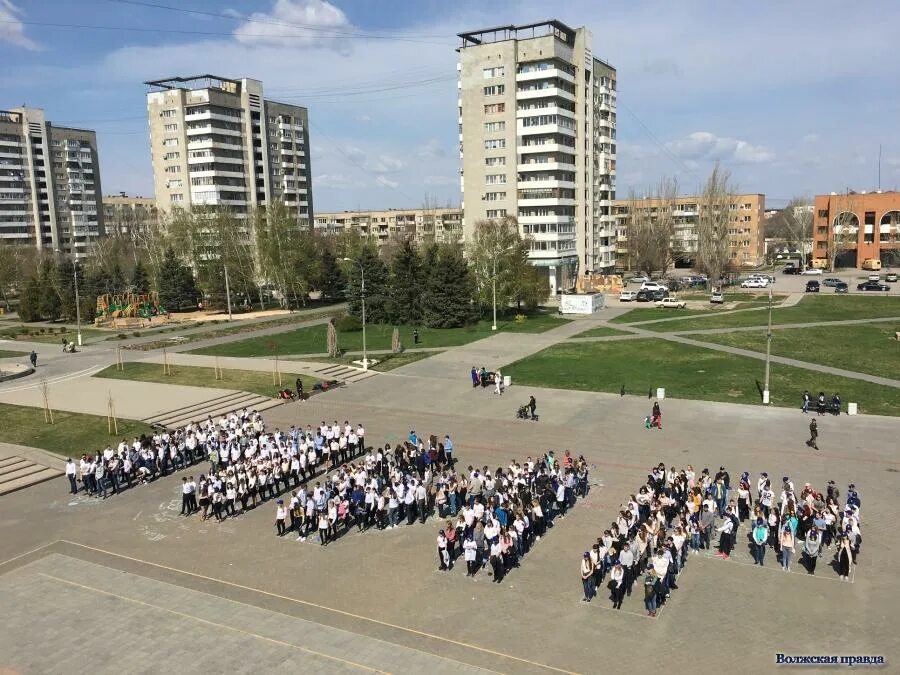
x,y
335,32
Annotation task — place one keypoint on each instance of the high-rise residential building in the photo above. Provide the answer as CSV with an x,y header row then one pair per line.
x,y
746,239
128,216
537,132
217,141
423,225
852,227
49,183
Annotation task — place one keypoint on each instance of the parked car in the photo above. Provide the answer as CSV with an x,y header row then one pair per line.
x,y
790,269
671,302
652,286
644,296
812,286
872,286
831,281
812,270
891,277
841,288
754,283
659,294
626,296
717,298
873,277
639,279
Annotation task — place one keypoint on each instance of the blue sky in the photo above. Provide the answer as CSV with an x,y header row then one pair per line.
x,y
793,98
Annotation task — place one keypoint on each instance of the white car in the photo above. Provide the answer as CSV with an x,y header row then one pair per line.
x,y
754,283
626,296
812,270
639,279
671,302
652,286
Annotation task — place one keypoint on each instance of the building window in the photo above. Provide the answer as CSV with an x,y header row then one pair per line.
x,y
171,128
176,197
489,73
176,183
495,90
494,196
494,108
171,155
170,142
495,178
495,161
170,112
175,168
496,213
491,127
495,144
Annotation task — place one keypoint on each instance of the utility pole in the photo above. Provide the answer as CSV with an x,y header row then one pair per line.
x,y
77,303
494,288
227,293
362,295
768,351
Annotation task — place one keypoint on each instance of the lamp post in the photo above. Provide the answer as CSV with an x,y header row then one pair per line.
x,y
362,295
228,293
77,304
494,281
768,351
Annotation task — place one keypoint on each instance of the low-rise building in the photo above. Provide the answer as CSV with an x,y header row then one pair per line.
x,y
852,227
128,216
746,240
424,225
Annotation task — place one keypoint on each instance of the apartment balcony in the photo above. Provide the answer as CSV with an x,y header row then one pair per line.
x,y
544,110
11,155
218,159
546,92
5,214
545,166
212,116
537,220
532,75
216,172
544,148
547,183
544,129
208,143
10,144
211,129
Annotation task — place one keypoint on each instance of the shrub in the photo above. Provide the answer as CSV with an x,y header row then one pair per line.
x,y
520,318
137,333
121,336
347,324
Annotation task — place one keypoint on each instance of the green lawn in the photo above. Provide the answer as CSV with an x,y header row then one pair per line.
x,y
7,354
70,435
810,309
653,313
256,382
686,372
313,339
864,348
51,335
601,331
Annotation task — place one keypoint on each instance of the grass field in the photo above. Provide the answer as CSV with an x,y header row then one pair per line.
x,y
314,339
687,372
601,331
862,348
70,435
256,382
810,309
639,314
8,354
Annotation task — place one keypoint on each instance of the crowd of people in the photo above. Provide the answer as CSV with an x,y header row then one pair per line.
x,y
677,513
495,517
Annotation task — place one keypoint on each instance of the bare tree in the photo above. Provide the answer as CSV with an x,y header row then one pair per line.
x,y
650,228
843,231
717,204
793,225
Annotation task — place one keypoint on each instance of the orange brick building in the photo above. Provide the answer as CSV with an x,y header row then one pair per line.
x,y
864,225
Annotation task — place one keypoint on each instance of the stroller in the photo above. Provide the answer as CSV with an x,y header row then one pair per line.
x,y
524,413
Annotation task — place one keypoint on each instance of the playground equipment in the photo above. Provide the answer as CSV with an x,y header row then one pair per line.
x,y
127,306
599,283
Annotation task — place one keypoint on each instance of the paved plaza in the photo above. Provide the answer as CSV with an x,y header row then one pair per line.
x,y
129,585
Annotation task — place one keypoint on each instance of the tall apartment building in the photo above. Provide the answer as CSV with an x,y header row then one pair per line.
x,y
855,226
537,130
216,141
746,239
49,183
441,225
128,216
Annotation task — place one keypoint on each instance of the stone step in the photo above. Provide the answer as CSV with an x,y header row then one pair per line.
x,y
44,474
21,471
253,401
226,398
11,462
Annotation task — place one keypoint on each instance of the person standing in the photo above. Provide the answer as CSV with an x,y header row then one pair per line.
x,y
813,434
71,472
844,557
443,554
299,386
498,382
760,537
470,553
33,358
725,538
587,577
650,590
618,581
185,497
280,516
806,401
787,547
474,377
811,547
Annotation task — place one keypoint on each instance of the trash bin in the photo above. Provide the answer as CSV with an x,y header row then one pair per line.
x,y
660,393
851,409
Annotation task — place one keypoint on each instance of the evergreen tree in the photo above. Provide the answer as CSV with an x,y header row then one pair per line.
x,y
140,279
449,290
404,304
30,302
117,279
376,278
331,279
177,288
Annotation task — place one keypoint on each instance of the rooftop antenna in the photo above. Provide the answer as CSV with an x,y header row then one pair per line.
x,y
879,167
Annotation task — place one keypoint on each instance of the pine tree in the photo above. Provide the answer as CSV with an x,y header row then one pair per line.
x,y
140,279
449,290
177,288
376,277
404,305
331,281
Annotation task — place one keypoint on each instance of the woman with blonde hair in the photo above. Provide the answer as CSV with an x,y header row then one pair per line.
x,y
787,547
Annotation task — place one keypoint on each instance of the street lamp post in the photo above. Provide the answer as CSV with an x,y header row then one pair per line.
x,y
77,304
768,351
494,289
362,295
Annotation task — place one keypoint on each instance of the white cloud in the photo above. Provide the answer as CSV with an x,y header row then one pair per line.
x,y
440,180
704,145
11,28
387,182
810,138
385,164
296,23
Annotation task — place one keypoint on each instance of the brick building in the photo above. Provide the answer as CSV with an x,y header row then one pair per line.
x,y
855,226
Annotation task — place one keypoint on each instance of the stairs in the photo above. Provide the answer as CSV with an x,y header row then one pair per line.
x,y
336,371
214,407
17,473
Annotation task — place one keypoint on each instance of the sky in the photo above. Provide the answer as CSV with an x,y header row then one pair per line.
x,y
793,98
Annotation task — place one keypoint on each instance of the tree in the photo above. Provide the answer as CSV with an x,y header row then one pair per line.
x,y
330,279
449,288
30,300
717,203
288,256
140,278
843,231
404,306
499,254
17,264
376,278
792,225
176,283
